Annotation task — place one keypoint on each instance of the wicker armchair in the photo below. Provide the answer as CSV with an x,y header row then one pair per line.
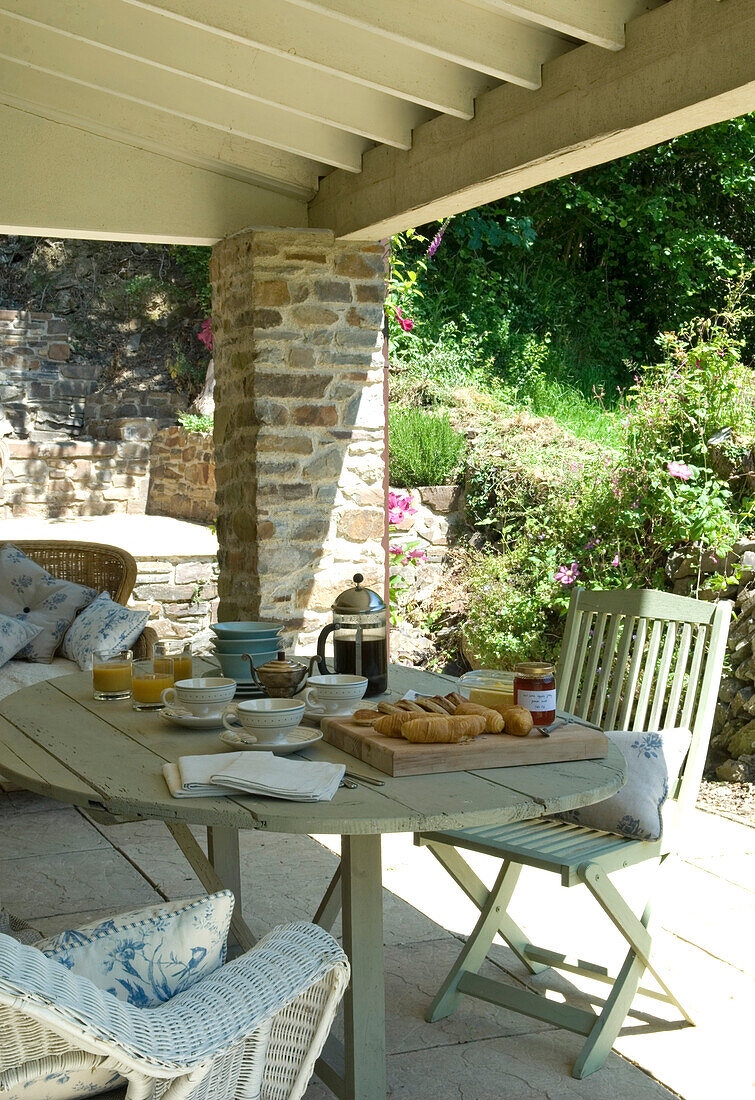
x,y
94,564
252,1029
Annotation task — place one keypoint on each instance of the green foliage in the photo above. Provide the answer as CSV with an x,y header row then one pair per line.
x,y
194,261
608,518
193,422
188,374
425,449
578,276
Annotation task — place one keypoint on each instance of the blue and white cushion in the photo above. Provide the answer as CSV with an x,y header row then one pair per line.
x,y
104,626
67,1085
33,596
148,956
14,635
654,761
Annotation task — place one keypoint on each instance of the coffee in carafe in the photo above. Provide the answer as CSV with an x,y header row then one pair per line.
x,y
360,637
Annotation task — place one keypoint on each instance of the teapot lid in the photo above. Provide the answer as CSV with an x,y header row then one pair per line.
x,y
281,664
358,600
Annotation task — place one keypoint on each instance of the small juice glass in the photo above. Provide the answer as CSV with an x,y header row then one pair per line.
x,y
179,652
149,679
111,675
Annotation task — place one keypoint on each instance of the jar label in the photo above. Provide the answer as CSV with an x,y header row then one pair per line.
x,y
536,701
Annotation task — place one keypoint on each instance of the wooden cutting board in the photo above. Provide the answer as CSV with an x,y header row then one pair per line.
x,y
568,742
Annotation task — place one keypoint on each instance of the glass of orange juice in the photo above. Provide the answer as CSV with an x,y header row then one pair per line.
x,y
177,651
149,679
111,674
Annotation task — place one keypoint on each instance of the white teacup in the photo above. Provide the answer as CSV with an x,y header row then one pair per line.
x,y
334,693
202,696
266,720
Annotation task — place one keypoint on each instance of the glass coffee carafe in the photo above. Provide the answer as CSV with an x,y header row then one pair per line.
x,y
360,637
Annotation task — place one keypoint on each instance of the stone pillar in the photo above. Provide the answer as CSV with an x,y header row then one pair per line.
x,y
299,418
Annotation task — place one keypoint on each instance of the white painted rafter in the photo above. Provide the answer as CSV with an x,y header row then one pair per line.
x,y
221,63
600,22
81,63
476,38
296,34
126,121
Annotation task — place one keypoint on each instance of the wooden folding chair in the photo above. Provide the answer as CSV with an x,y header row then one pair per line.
x,y
631,660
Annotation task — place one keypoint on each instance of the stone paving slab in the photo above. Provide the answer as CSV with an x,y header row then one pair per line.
x,y
64,868
143,536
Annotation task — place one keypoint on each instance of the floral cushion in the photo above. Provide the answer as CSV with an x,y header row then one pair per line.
x,y
654,761
14,635
67,1085
147,956
104,626
33,596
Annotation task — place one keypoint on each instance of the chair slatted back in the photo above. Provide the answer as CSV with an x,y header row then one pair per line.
x,y
644,660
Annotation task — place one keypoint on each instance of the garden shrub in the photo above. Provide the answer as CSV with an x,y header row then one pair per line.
x,y
425,448
560,515
194,422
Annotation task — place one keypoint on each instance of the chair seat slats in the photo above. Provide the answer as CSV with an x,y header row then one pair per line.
x,y
544,840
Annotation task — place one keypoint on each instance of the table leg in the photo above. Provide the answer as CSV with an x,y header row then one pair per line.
x,y
211,879
364,1003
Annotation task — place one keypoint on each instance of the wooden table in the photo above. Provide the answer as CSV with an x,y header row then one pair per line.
x,y
107,758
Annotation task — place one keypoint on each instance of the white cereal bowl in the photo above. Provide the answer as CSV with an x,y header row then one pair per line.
x,y
273,717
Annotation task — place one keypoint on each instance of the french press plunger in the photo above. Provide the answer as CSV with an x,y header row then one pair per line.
x,y
360,637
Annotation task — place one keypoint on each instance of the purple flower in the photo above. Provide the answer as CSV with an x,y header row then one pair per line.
x,y
417,555
567,574
435,242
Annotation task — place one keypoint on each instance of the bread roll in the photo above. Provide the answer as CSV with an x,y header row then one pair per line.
x,y
442,731
493,720
517,720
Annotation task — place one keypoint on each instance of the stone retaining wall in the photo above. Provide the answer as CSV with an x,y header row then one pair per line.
x,y
43,388
74,478
180,595
730,576
182,475
439,513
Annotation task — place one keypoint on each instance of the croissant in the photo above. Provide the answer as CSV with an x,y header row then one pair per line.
x,y
392,724
493,720
442,731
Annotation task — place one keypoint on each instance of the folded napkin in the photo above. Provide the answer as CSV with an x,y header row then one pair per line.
x,y
260,773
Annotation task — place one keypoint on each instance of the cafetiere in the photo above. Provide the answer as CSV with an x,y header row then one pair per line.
x,y
360,637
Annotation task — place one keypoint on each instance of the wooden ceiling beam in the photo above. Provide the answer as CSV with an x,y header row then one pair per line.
x,y
600,22
59,181
687,64
79,62
476,38
350,53
221,63
133,124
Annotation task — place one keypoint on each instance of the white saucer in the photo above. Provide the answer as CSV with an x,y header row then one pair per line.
x,y
192,721
293,741
346,712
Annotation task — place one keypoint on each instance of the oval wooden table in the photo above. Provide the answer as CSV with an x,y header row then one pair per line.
x,y
55,739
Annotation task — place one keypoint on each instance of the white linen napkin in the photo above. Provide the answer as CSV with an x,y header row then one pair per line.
x,y
260,773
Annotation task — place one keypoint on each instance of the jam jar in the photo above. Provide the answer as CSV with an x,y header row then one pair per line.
x,y
535,690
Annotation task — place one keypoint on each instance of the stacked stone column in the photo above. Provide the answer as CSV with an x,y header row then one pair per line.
x,y
299,423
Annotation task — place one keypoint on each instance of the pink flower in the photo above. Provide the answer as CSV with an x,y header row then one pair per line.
x,y
396,551
567,574
205,333
406,323
616,563
680,470
418,555
399,505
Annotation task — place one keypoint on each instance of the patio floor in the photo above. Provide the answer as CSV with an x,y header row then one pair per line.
x,y
59,869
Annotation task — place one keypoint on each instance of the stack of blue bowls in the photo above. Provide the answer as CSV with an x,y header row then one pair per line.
x,y
261,640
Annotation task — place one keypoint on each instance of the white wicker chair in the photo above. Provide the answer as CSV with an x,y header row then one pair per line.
x,y
252,1030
